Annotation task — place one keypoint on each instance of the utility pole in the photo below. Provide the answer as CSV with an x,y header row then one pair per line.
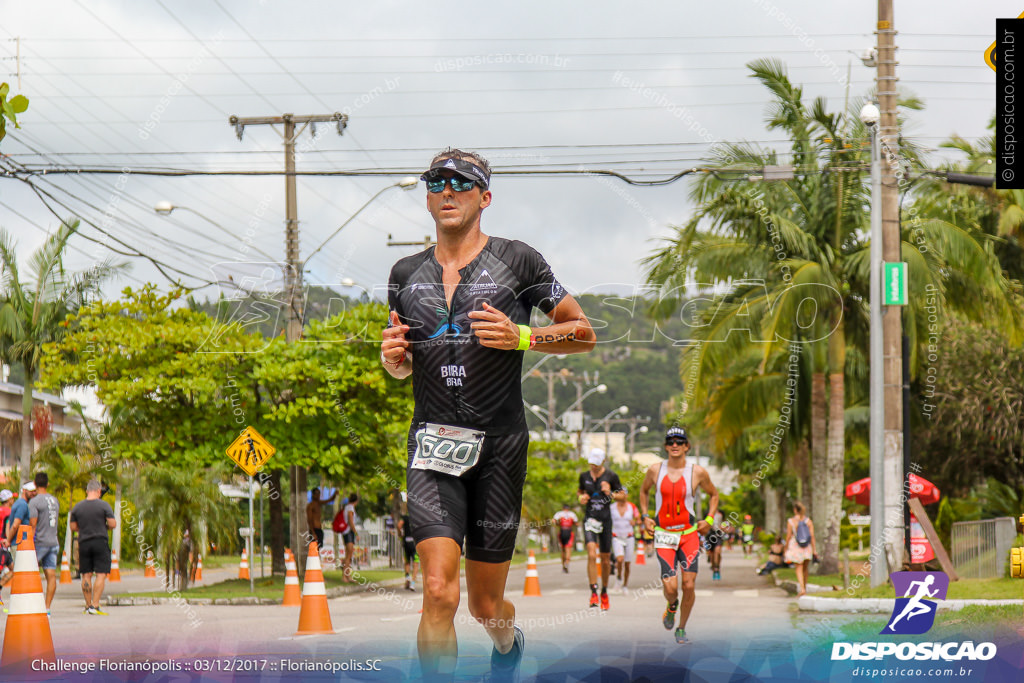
x,y
292,274
892,323
549,378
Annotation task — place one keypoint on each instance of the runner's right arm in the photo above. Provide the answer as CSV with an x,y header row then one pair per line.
x,y
645,490
394,348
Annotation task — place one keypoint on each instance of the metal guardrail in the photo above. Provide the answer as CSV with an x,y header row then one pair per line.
x,y
980,548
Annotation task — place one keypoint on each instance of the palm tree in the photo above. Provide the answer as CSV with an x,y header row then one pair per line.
x,y
792,257
171,502
33,311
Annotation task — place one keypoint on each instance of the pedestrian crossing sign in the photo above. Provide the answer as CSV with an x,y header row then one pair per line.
x,y
250,451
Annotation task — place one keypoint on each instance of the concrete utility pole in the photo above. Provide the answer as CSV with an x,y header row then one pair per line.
x,y
892,323
292,274
550,377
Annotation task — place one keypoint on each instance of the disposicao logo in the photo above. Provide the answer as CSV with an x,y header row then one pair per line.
x,y
917,594
914,612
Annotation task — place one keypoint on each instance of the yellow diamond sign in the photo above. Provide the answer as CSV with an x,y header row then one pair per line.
x,y
990,54
250,451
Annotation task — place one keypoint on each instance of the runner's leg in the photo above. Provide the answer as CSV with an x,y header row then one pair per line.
x,y
485,583
592,562
435,639
689,579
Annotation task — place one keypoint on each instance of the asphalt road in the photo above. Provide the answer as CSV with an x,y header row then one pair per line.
x,y
740,618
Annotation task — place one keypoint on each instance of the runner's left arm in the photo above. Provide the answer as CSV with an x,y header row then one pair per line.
x,y
619,492
570,333
708,488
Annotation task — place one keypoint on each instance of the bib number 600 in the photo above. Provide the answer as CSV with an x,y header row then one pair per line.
x,y
447,449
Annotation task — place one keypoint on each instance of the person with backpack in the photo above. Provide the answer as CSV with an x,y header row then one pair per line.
x,y
800,544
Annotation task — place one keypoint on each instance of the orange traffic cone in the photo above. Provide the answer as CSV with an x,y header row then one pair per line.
x,y
544,543
115,569
150,566
640,557
532,586
243,567
314,615
199,567
27,636
292,594
65,569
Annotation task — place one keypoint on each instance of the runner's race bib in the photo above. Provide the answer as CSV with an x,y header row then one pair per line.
x,y
594,526
667,539
447,449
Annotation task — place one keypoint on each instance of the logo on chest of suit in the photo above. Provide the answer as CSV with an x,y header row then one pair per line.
x,y
484,283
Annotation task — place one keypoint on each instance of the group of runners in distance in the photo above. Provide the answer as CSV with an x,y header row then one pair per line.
x,y
459,324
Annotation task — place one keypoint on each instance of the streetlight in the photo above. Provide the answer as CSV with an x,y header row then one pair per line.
x,y
870,116
542,415
633,430
165,208
544,359
621,410
405,183
600,388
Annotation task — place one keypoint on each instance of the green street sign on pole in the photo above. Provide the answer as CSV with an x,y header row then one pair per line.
x,y
894,284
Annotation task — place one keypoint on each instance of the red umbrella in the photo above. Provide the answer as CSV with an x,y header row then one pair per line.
x,y
860,490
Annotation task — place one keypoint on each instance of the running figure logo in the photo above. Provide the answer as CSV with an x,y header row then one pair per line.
x,y
914,612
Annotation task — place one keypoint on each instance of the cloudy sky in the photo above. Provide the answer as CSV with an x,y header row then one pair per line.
x,y
643,90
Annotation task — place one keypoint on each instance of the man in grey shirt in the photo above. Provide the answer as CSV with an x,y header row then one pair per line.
x,y
43,513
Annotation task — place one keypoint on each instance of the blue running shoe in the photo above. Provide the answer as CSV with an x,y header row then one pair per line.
x,y
505,667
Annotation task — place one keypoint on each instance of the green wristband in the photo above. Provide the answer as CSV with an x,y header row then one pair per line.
x,y
524,337
710,520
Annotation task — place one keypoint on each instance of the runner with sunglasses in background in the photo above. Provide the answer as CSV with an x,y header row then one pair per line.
x,y
459,324
677,524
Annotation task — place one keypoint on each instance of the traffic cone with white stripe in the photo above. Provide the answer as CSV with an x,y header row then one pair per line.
x,y
641,558
292,594
115,569
27,636
199,567
544,542
243,567
532,586
150,566
314,614
65,569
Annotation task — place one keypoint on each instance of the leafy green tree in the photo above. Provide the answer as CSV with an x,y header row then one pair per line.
x,y
323,402
793,260
10,108
972,400
33,311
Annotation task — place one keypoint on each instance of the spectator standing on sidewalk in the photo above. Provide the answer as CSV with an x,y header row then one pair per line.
x,y
351,536
314,515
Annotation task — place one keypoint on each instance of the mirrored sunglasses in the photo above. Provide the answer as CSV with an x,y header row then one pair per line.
x,y
435,185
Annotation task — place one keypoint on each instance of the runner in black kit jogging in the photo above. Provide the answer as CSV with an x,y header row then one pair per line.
x,y
459,325
599,486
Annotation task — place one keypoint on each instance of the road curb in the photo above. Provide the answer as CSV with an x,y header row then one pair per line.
x,y
249,600
810,603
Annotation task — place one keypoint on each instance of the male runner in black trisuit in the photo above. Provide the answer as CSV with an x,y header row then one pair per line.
x,y
459,324
598,487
